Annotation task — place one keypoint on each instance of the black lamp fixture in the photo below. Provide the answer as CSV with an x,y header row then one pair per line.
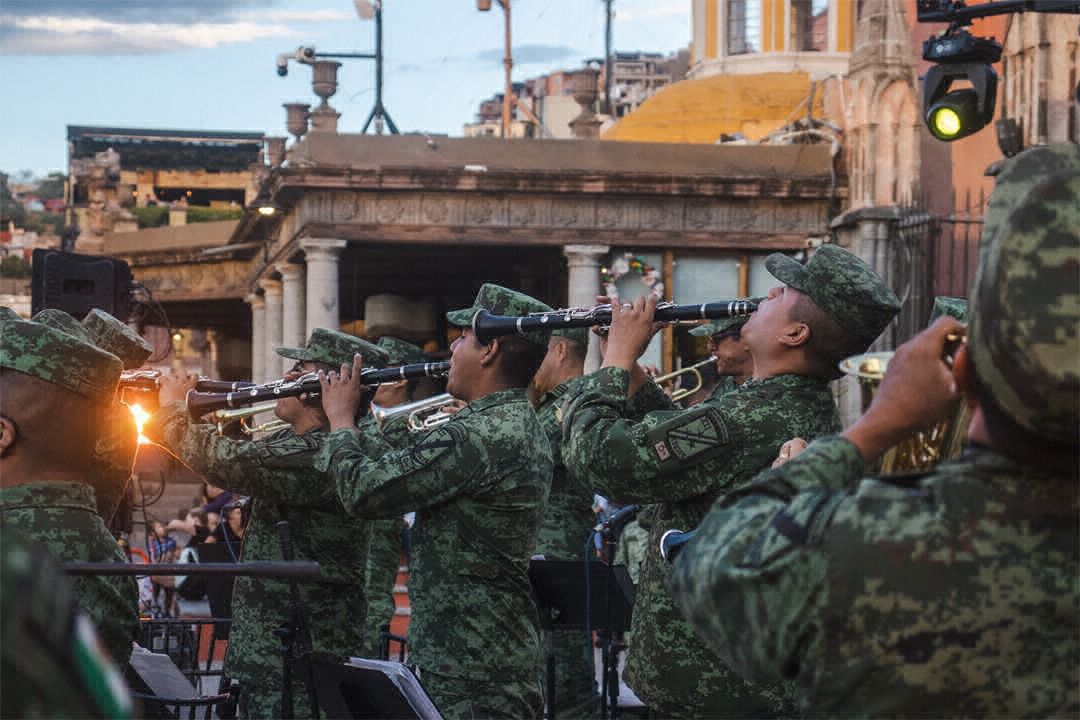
x,y
265,206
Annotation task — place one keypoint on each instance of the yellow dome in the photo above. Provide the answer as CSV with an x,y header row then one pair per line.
x,y
699,110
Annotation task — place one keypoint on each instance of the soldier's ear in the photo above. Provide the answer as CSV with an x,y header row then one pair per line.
x,y
795,334
491,350
8,435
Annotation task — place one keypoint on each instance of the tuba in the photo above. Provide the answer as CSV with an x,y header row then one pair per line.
x,y
925,448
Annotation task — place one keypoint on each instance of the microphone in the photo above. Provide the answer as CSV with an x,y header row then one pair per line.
x,y
610,527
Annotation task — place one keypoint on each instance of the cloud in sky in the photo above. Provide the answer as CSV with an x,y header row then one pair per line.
x,y
140,27
662,10
529,54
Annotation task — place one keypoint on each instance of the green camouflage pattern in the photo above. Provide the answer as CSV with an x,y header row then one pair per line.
x,y
681,460
51,665
478,484
953,597
564,534
64,322
277,473
400,352
1017,177
1025,318
60,359
718,326
63,518
843,286
488,698
335,348
953,307
384,555
7,313
498,300
111,335
578,335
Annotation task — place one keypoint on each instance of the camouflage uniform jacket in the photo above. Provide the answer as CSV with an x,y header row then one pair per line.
x,y
953,597
568,519
682,460
277,472
62,516
478,484
384,556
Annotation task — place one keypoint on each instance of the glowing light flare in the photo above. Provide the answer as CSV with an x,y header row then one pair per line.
x,y
947,122
141,417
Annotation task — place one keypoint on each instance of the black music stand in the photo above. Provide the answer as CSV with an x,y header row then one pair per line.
x,y
559,588
364,688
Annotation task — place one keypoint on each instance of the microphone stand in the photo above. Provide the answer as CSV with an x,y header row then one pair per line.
x,y
294,635
611,641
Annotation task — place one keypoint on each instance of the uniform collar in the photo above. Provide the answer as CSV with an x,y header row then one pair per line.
x,y
499,397
558,391
53,494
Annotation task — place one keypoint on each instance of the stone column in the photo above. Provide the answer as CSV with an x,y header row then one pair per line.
x,y
583,266
272,361
322,256
258,335
293,317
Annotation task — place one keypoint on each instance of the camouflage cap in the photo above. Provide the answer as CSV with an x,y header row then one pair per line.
x,y
1025,309
7,313
1016,178
65,322
718,326
501,301
58,358
113,336
578,335
843,286
335,348
400,352
953,307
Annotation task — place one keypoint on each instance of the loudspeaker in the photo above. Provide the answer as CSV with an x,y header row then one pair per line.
x,y
79,283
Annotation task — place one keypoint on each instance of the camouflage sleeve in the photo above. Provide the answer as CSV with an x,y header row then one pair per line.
x,y
277,469
752,582
439,465
623,459
649,398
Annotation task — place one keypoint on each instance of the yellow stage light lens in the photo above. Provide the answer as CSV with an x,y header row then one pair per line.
x,y
946,122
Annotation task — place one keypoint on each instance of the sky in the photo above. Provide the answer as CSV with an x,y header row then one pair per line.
x,y
210,64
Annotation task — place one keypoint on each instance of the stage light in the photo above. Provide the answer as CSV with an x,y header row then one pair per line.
x,y
954,116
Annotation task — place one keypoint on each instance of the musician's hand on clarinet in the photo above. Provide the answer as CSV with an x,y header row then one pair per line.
x,y
341,394
789,450
174,386
632,328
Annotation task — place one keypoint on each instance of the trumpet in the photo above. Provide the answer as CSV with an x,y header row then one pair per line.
x,y
487,326
683,393
148,380
244,415
422,414
201,403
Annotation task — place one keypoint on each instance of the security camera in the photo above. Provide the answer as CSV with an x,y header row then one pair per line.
x,y
283,64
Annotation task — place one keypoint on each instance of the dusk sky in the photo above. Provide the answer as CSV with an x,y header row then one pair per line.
x,y
210,64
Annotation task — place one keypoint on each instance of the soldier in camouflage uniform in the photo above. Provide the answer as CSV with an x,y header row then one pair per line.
x,y
384,557
119,441
568,519
277,472
734,364
950,595
478,484
51,664
833,306
53,382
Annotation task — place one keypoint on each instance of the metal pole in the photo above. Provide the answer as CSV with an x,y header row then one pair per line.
x,y
378,69
607,61
508,62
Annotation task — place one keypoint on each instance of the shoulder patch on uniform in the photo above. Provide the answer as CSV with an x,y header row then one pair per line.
x,y
689,435
432,445
287,446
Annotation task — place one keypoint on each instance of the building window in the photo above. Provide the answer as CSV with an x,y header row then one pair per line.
x,y
809,25
743,26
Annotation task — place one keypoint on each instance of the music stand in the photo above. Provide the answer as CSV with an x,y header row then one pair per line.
x,y
559,588
219,588
364,688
